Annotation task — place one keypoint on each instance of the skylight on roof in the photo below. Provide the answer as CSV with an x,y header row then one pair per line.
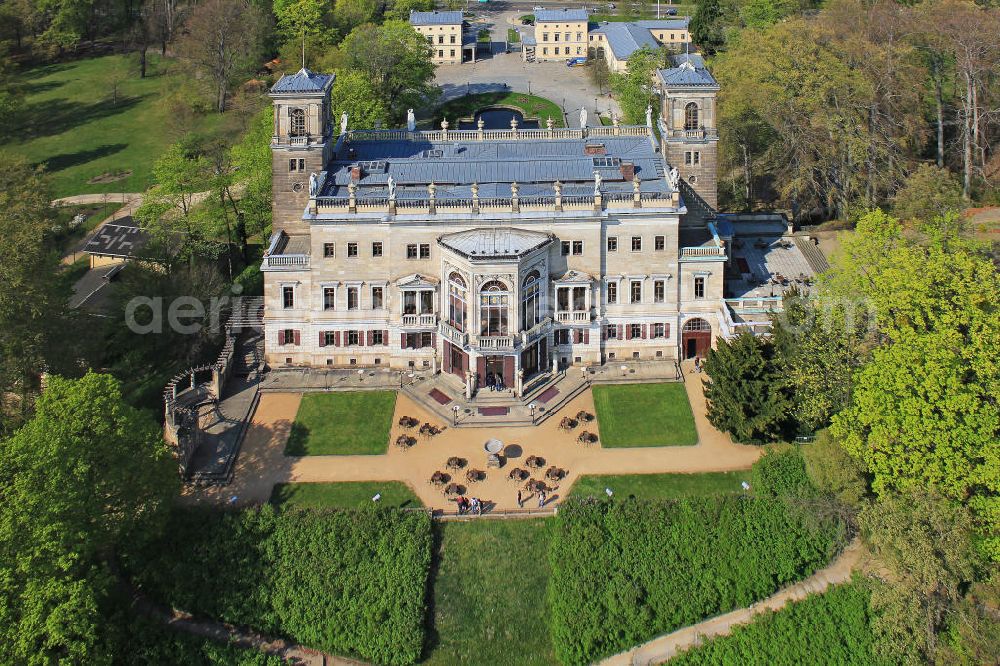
x,y
607,162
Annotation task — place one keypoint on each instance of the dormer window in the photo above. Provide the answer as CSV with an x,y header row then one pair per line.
x,y
296,122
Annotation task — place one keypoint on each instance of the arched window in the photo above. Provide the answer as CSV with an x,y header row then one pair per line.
x,y
691,116
531,302
456,301
494,299
697,325
296,122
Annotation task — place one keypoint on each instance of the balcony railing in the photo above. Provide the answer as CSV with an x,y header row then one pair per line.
x,y
574,316
454,335
496,342
419,320
538,330
285,262
703,251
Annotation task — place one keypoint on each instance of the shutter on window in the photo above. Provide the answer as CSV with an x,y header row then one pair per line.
x,y
336,338
666,329
621,331
402,340
295,335
368,338
281,337
434,339
628,331
322,339
385,337
644,331
586,337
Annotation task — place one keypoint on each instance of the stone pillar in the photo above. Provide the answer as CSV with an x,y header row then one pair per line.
x,y
555,362
479,129
352,201
444,129
468,384
519,383
598,201
515,206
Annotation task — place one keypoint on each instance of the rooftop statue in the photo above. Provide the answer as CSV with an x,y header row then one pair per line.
x,y
583,118
343,123
391,183
313,184
597,183
411,120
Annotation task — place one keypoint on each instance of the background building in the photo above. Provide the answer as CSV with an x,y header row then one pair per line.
x,y
444,31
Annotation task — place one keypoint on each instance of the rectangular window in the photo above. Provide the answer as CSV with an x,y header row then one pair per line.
x,y
377,248
286,337
288,297
568,36
612,243
377,298
635,331
635,291
427,302
545,36
352,249
565,248
452,54
377,339
352,298
692,158
353,339
411,251
611,332
562,336
658,331
425,251
579,36
699,287
556,48
329,249
440,53
329,298
612,293
297,165
659,290
636,243
329,338
555,36
426,339
453,41
577,248
545,50
440,39
659,243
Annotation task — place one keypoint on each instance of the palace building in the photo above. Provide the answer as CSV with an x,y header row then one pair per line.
x,y
501,253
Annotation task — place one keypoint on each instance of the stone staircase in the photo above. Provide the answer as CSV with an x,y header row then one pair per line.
x,y
814,256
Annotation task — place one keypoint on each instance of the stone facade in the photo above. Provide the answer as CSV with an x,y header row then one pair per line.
x,y
443,31
561,34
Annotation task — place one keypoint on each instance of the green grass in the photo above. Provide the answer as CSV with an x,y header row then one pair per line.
x,y
489,596
513,36
343,495
530,105
644,415
70,124
660,486
342,424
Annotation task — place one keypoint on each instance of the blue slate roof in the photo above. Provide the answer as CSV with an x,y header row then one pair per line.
x,y
688,70
551,15
494,165
435,18
624,39
303,81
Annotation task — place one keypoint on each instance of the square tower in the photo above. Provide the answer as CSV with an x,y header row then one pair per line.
x,y
688,128
300,145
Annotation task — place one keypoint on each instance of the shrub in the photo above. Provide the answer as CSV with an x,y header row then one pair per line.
x,y
831,470
623,572
346,582
832,628
781,472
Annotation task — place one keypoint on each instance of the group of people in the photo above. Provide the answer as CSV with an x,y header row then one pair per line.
x,y
542,497
469,505
494,381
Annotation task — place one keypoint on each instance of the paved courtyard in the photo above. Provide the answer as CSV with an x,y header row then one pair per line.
x,y
262,462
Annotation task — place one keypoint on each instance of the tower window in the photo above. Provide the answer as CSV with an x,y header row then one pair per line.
x,y
612,243
692,158
288,297
699,287
296,122
691,116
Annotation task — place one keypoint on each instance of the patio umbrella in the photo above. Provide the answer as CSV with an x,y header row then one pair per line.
x,y
493,446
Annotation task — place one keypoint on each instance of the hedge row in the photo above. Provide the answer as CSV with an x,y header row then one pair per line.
x,y
345,582
624,572
829,628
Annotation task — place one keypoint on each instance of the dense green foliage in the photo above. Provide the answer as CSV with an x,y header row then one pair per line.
x,y
344,494
632,89
623,572
489,594
644,415
342,423
829,628
345,582
85,474
659,486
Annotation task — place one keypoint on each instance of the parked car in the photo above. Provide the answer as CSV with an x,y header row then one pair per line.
x,y
670,11
576,62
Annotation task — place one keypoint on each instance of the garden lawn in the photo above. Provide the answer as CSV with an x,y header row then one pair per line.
x,y
660,486
644,415
71,124
489,594
343,495
348,423
530,105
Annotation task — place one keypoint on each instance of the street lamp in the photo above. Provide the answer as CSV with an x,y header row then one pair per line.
x,y
455,409
532,408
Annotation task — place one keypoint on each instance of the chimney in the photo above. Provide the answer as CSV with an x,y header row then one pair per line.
x,y
628,170
594,149
355,172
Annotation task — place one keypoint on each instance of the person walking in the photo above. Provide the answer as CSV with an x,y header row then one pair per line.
x,y
520,500
541,498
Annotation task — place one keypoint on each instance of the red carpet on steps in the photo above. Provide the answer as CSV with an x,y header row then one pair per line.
x,y
548,394
494,411
440,397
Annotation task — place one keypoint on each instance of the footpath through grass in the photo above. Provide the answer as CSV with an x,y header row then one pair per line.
x,y
344,495
88,140
644,415
342,423
489,604
531,106
660,486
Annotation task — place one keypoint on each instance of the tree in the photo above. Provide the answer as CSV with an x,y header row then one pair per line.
x,y
223,41
928,191
354,95
400,9
926,541
633,89
84,474
350,14
252,164
833,471
747,396
32,308
597,67
923,413
706,26
396,60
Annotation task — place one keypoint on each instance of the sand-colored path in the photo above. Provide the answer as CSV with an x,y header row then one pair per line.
x,y
262,462
669,645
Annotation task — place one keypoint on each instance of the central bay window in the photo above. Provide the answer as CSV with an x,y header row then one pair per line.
x,y
296,122
418,302
572,303
456,302
494,299
691,116
531,304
